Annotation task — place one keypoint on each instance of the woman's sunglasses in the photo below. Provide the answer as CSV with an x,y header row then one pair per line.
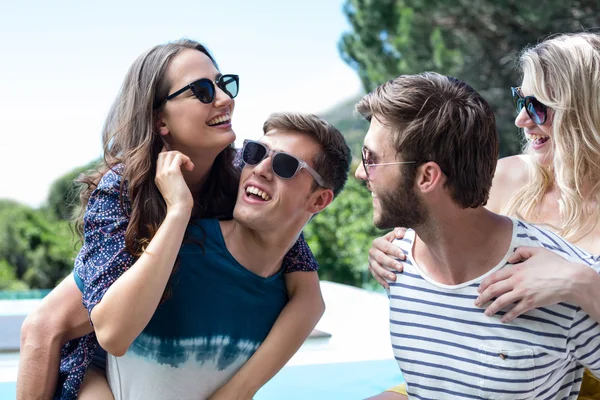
x,y
284,165
537,111
204,89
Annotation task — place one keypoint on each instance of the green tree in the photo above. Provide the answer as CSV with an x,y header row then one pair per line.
x,y
8,279
38,247
341,236
477,41
63,197
352,125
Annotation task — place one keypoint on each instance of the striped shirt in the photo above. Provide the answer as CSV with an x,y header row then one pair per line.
x,y
447,348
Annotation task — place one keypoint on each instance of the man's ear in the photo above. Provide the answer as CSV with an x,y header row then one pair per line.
x,y
429,176
320,199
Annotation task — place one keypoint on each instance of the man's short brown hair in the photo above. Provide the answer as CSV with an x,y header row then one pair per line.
x,y
333,163
441,119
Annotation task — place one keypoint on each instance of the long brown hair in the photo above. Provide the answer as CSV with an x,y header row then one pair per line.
x,y
130,141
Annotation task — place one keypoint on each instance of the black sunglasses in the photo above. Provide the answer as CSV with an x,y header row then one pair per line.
x,y
204,89
284,165
537,111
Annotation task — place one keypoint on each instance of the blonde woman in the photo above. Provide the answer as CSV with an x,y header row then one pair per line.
x,y
555,182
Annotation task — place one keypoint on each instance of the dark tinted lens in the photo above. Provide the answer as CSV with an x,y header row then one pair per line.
x,y
285,165
517,100
536,110
229,84
204,90
519,104
253,153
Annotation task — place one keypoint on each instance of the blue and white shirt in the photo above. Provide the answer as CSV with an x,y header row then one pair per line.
x,y
447,348
217,316
103,258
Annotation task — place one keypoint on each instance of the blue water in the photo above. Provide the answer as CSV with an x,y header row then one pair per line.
x,y
346,381
7,390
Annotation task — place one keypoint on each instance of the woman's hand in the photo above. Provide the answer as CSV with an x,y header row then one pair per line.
x,y
384,256
169,180
540,278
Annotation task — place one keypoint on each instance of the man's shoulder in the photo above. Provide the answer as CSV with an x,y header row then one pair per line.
x,y
533,235
407,241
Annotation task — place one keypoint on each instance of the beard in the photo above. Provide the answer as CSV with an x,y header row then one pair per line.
x,y
400,207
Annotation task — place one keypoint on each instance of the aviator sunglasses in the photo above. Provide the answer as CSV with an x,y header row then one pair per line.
x,y
368,163
284,165
204,89
537,111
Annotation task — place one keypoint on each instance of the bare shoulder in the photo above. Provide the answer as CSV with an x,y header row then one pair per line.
x,y
512,173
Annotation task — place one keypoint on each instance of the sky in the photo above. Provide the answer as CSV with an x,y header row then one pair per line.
x,y
62,63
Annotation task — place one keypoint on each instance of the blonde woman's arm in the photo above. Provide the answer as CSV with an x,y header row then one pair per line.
x,y
540,278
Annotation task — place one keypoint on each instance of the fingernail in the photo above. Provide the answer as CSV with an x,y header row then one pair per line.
x,y
487,313
477,302
503,320
399,266
391,276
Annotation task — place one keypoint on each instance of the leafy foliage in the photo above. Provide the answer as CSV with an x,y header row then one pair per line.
x,y
353,126
477,41
38,248
63,198
8,279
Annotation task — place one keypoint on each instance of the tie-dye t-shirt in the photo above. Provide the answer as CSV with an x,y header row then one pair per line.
x,y
217,316
103,258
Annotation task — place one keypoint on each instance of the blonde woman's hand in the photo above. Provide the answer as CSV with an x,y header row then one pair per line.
x,y
384,256
169,180
539,278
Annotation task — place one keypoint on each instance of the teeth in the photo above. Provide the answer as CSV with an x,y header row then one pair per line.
x,y
256,191
219,119
536,137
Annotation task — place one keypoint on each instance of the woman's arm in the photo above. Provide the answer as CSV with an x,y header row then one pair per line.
x,y
586,286
129,303
59,318
540,278
292,327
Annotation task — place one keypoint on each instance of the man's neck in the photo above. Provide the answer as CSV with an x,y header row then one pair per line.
x,y
463,245
258,252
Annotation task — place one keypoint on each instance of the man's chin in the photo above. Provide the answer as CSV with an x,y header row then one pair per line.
x,y
381,223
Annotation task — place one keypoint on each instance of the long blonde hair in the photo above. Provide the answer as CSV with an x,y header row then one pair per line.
x,y
563,73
